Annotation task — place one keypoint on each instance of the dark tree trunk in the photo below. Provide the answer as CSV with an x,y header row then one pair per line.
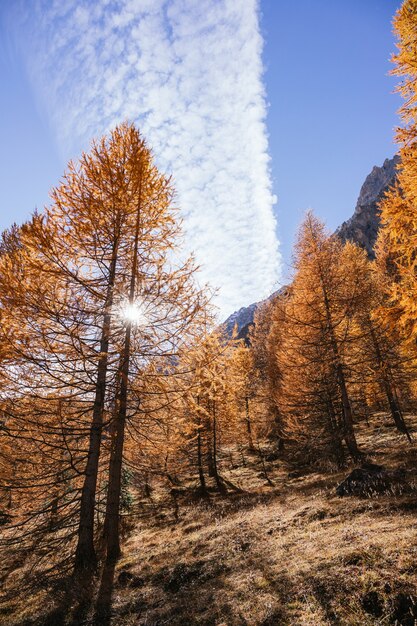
x,y
276,432
54,514
112,521
210,459
199,455
395,409
348,431
335,433
85,556
264,470
248,425
216,476
393,403
112,517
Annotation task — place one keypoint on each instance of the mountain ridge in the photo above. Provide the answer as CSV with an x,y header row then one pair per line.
x,y
361,228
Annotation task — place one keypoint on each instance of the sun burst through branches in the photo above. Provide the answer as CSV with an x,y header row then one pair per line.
x,y
134,313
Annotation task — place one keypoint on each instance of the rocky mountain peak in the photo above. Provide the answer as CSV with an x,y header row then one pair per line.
x,y
242,318
376,182
362,227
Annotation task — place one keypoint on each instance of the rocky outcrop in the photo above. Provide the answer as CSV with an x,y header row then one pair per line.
x,y
362,227
242,319
371,479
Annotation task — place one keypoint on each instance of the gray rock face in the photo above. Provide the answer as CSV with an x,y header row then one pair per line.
x,y
242,319
362,227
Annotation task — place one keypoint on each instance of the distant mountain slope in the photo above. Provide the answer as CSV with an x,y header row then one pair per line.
x,y
243,318
361,228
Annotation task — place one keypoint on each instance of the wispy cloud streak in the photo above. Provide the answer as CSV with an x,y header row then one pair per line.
x,y
189,72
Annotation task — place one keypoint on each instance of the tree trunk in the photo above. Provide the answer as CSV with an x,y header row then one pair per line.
x,y
348,432
395,409
278,430
248,425
219,483
53,519
264,470
112,521
199,455
335,433
85,556
210,459
386,383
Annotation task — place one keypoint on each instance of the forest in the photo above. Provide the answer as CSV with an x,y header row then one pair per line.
x,y
156,469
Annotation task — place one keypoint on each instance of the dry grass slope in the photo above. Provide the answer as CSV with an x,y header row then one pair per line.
x,y
289,554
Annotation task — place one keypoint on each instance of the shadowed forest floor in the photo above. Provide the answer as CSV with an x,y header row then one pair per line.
x,y
287,553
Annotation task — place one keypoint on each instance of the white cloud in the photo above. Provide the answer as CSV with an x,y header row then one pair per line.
x,y
189,72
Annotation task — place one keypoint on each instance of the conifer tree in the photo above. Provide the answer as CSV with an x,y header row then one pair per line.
x,y
318,317
242,375
91,292
376,356
210,403
398,236
265,337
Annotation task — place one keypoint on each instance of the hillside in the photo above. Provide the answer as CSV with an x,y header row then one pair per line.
x,y
228,510
276,552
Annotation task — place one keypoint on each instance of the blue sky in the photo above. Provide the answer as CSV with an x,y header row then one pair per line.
x,y
323,83
332,112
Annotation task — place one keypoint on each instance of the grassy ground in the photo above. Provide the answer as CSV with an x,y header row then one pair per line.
x,y
291,553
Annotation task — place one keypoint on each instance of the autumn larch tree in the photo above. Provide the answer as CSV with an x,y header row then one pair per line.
x,y
377,352
397,240
265,336
318,316
209,403
160,303
94,291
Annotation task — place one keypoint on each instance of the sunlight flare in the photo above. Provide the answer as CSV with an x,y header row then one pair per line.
x,y
134,313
